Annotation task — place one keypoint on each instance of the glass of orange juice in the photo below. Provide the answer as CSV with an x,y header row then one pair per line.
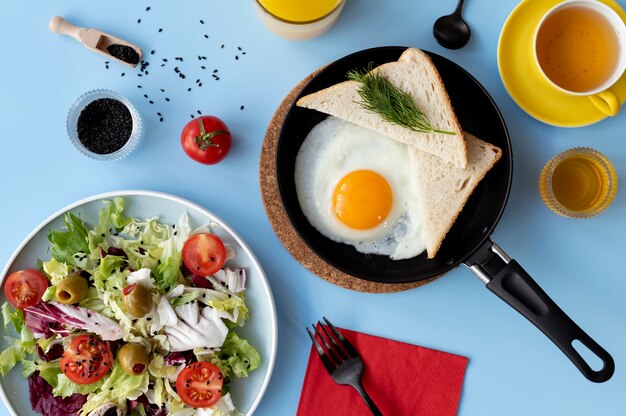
x,y
578,183
299,19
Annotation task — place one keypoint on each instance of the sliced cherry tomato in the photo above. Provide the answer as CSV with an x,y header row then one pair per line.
x,y
206,140
86,360
204,254
25,288
200,384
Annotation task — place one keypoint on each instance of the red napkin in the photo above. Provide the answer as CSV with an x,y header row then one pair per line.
x,y
402,379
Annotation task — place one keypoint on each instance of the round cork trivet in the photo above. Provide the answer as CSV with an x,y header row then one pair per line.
x,y
281,224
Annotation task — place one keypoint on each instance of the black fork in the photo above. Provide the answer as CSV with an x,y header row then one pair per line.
x,y
342,361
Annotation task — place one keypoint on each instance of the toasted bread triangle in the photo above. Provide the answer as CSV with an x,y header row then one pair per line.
x,y
415,74
445,188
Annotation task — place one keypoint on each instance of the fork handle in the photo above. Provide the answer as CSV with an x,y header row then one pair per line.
x,y
368,400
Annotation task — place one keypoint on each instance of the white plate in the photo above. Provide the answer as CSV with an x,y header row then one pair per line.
x,y
260,330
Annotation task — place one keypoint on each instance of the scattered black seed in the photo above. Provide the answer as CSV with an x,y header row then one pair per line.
x,y
124,53
237,57
222,47
200,84
138,20
175,232
161,119
148,8
239,47
106,62
167,99
104,126
162,90
139,75
145,95
202,21
215,71
162,64
206,36
199,112
158,114
242,107
160,30
106,66
198,81
152,52
176,70
151,102
138,86
192,116
188,89
123,74
243,53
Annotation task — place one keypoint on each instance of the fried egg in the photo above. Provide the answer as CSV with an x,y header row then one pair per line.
x,y
356,186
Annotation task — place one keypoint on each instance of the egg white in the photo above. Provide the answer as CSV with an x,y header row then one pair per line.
x,y
335,148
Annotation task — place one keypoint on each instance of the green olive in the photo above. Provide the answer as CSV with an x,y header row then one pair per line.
x,y
137,300
133,358
72,289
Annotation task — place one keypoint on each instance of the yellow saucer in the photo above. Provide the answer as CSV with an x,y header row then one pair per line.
x,y
525,84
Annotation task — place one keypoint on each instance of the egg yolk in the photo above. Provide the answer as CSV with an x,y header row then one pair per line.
x,y
362,199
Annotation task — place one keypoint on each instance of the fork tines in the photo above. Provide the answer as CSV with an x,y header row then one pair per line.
x,y
335,352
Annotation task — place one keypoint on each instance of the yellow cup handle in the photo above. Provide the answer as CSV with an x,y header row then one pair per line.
x,y
607,102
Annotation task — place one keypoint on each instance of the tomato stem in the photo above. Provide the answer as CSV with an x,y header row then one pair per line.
x,y
205,139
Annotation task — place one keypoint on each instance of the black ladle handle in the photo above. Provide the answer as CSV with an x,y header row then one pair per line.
x,y
507,279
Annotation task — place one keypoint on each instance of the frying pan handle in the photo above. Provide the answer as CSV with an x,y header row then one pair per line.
x,y
514,285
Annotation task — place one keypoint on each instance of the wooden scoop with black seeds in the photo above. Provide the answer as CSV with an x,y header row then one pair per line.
x,y
110,46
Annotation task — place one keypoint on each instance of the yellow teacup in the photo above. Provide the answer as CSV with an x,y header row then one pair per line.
x,y
299,19
579,47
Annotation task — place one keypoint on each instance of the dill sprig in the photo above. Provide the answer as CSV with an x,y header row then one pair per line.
x,y
380,96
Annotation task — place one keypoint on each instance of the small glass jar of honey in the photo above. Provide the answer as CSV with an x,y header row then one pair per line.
x,y
578,183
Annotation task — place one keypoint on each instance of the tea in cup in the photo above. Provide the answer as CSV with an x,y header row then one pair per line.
x,y
299,19
578,183
580,48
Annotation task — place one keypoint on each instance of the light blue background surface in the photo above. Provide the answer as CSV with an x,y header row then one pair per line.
x,y
513,368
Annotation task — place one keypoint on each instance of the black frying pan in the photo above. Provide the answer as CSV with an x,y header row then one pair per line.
x,y
468,241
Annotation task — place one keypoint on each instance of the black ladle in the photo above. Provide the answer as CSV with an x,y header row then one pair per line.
x,y
451,31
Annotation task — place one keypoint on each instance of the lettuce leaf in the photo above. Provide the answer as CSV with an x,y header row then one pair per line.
x,y
17,351
111,218
55,270
12,316
238,355
117,386
64,245
234,305
66,387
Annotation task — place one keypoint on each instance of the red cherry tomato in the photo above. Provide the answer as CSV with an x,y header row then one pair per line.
x,y
206,140
200,384
25,288
86,360
204,254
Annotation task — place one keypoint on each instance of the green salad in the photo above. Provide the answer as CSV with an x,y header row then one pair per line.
x,y
129,317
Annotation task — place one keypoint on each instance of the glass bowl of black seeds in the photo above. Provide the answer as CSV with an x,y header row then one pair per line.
x,y
104,125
